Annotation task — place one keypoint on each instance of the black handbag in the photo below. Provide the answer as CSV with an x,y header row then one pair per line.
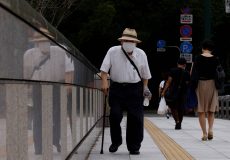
x,y
172,94
220,77
194,77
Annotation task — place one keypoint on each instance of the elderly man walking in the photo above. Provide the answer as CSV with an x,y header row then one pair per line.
x,y
129,73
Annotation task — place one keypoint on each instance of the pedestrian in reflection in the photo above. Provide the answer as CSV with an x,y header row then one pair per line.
x,y
178,81
205,67
34,59
46,63
126,90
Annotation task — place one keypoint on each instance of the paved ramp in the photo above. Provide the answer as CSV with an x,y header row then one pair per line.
x,y
163,142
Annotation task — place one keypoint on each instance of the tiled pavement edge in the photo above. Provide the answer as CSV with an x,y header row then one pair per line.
x,y
189,138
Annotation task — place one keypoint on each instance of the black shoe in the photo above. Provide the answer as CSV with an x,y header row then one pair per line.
x,y
113,147
178,126
134,152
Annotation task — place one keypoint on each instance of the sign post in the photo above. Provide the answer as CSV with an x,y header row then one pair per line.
x,y
186,19
161,46
227,6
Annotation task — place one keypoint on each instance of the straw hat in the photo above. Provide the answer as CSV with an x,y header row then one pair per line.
x,y
37,37
129,35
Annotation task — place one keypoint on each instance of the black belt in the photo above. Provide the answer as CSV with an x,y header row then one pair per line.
x,y
125,84
204,78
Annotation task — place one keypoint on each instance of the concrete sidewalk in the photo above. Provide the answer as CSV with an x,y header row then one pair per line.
x,y
188,138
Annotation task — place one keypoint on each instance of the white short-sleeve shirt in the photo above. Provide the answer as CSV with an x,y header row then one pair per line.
x,y
120,68
162,83
53,69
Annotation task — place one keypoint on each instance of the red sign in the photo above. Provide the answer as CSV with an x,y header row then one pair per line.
x,y
186,31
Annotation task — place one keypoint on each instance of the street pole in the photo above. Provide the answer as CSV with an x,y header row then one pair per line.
x,y
174,47
207,18
227,6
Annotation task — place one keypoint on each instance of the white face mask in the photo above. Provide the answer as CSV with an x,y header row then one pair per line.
x,y
44,46
129,46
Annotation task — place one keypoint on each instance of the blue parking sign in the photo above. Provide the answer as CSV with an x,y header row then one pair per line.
x,y
186,47
161,44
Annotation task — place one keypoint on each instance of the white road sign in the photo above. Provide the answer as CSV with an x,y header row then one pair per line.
x,y
187,56
186,18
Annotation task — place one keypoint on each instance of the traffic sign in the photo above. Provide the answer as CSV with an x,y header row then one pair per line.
x,y
186,47
161,44
186,30
188,57
186,39
186,18
161,49
186,10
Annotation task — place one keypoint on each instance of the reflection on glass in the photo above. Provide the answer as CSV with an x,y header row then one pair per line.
x,y
46,62
27,54
35,64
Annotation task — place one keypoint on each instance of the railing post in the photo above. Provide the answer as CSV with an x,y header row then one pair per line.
x,y
227,109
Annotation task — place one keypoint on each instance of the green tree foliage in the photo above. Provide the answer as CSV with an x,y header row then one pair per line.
x,y
55,11
99,23
95,25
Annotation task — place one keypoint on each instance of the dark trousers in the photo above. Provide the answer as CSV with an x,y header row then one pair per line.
x,y
129,97
56,115
177,110
37,117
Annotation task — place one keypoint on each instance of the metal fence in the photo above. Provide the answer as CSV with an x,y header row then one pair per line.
x,y
224,107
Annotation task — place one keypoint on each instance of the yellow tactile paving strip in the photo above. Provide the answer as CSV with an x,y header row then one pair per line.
x,y
170,149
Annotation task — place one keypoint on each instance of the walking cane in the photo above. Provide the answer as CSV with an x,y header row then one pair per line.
x,y
103,126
